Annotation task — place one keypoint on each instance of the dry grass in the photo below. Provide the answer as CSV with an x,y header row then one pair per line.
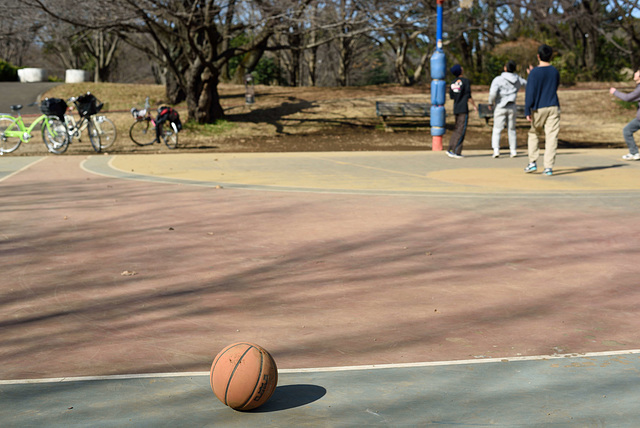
x,y
301,119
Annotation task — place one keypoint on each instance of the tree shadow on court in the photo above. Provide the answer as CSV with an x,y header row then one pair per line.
x,y
130,277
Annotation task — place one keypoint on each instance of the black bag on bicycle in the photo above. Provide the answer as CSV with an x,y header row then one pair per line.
x,y
88,105
54,107
168,114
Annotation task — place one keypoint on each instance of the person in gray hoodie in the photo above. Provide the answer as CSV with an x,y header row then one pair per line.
x,y
634,125
503,92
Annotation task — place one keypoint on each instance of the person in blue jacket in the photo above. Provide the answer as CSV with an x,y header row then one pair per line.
x,y
634,125
542,108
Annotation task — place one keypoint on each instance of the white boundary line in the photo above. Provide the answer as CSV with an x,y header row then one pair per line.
x,y
22,169
331,369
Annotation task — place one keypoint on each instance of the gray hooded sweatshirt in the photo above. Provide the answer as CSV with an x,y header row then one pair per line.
x,y
504,89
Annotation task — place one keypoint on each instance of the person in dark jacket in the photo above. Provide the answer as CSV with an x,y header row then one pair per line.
x,y
542,108
634,125
460,93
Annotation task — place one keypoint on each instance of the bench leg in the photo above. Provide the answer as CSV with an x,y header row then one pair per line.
x,y
387,128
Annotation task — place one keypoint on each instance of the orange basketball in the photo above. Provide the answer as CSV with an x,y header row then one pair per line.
x,y
243,376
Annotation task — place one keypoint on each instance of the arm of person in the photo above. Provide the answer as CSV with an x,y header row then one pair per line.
x,y
473,103
493,93
529,97
631,96
523,81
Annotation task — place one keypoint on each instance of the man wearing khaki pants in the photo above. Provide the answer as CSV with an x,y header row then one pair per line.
x,y
542,108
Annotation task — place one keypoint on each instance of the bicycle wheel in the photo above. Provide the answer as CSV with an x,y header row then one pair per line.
x,y
55,135
106,130
8,144
169,134
93,136
142,132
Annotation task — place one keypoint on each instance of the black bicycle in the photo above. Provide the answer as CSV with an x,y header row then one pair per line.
x,y
146,130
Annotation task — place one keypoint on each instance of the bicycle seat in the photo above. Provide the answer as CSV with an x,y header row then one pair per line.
x,y
16,107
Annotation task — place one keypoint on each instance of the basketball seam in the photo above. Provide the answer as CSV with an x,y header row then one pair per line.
x,y
234,371
216,363
258,379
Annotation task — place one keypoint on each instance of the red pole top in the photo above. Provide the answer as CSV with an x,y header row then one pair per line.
x,y
440,2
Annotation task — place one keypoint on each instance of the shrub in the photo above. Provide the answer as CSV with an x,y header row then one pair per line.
x,y
8,73
266,72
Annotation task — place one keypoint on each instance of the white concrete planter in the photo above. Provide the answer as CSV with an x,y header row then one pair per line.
x,y
76,76
28,75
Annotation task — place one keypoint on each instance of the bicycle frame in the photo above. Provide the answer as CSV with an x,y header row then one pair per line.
x,y
24,132
75,128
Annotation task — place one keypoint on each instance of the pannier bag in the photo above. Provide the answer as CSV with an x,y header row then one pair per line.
x,y
88,105
53,107
168,114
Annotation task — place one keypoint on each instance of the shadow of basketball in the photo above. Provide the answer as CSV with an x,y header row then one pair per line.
x,y
291,396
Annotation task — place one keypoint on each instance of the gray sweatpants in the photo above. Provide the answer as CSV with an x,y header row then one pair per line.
x,y
504,116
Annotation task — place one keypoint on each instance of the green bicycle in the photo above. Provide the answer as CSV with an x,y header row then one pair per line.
x,y
13,130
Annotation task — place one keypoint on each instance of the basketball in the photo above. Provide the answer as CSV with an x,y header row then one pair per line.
x,y
243,376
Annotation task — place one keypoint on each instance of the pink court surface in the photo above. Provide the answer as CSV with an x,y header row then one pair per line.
x,y
339,264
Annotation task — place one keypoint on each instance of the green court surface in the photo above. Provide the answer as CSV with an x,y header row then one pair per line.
x,y
586,391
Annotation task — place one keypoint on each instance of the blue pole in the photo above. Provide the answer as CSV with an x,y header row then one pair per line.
x,y
439,25
438,86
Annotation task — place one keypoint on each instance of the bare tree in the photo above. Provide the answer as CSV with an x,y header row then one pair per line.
x,y
102,47
624,16
190,37
18,30
408,30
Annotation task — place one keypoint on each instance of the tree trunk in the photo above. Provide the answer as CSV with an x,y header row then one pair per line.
x,y
203,100
344,62
174,93
312,58
401,71
248,63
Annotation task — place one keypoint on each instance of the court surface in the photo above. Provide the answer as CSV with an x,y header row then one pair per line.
x,y
392,289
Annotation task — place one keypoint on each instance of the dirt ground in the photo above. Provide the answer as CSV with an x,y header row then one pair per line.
x,y
322,119
287,119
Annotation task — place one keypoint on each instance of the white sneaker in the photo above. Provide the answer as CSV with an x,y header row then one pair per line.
x,y
496,155
629,156
513,155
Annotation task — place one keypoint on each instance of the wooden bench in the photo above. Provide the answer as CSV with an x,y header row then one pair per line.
x,y
394,109
485,113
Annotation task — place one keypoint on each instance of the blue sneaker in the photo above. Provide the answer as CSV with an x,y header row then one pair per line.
x,y
548,171
531,167
454,155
